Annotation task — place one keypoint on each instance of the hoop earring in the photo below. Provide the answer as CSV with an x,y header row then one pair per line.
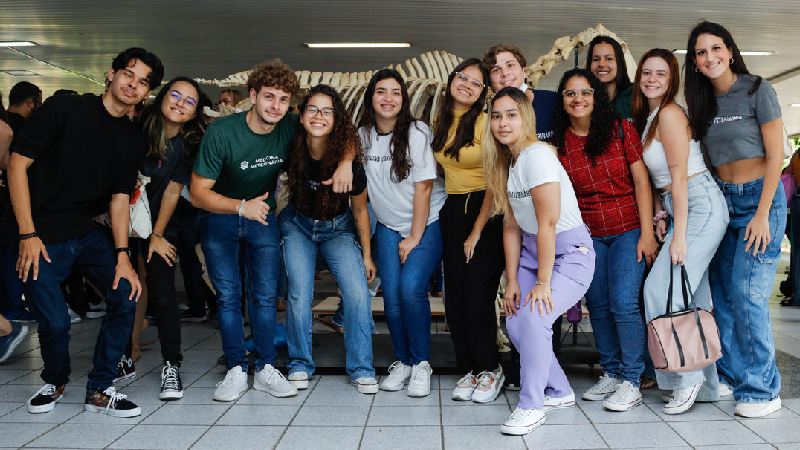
x,y
731,62
696,69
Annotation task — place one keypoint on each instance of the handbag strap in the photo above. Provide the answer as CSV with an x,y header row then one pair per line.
x,y
685,284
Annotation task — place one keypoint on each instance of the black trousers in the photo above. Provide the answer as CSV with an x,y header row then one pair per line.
x,y
471,288
161,301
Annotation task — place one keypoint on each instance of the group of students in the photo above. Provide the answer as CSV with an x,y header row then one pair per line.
x,y
553,188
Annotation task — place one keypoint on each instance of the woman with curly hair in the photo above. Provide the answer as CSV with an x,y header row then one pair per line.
x,y
317,219
603,156
691,197
606,60
737,117
173,126
406,196
471,240
548,252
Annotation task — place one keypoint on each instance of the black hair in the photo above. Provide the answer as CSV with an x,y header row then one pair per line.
x,y
22,91
602,128
465,133
697,88
401,166
65,92
622,81
152,61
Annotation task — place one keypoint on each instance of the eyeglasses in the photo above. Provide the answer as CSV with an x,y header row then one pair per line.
x,y
464,80
175,98
584,93
311,111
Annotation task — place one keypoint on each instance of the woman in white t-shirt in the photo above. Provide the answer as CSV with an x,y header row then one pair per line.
x,y
692,198
406,195
549,253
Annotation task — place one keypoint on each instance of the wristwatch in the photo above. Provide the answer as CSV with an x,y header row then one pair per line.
x,y
124,249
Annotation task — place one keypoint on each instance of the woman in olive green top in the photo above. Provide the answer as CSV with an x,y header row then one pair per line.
x,y
606,60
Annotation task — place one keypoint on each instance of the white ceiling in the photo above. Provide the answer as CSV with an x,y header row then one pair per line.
x,y
212,39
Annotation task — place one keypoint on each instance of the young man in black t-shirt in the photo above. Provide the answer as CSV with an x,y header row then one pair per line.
x,y
75,157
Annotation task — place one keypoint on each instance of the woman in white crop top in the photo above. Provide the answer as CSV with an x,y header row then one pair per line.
x,y
693,200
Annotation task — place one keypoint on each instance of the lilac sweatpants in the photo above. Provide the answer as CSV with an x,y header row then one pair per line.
x,y
531,333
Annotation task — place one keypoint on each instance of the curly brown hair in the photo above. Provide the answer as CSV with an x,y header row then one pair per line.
x,y
273,74
342,140
490,57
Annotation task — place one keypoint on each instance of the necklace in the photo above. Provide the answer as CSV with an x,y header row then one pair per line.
x,y
725,95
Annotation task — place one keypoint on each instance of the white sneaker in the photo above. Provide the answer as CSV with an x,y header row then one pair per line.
x,y
271,381
299,380
489,384
667,396
96,311
73,316
605,387
366,385
465,387
725,390
522,421
567,401
757,409
398,374
420,383
625,398
682,399
232,386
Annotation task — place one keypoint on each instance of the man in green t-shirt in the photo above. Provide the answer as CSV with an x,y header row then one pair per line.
x,y
235,172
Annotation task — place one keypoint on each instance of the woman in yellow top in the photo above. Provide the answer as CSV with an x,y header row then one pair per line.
x,y
472,243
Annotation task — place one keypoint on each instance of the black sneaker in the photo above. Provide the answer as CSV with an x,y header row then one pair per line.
x,y
193,317
125,369
171,386
110,402
45,399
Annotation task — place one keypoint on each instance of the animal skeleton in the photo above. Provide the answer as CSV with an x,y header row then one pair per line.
x,y
425,81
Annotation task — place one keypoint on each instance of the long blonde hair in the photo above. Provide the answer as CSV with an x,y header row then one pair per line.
x,y
497,157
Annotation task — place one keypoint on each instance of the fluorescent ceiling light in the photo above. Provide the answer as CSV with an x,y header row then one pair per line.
x,y
796,105
21,73
359,45
683,52
17,44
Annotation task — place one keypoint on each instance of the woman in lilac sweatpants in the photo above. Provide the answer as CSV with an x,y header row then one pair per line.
x,y
548,250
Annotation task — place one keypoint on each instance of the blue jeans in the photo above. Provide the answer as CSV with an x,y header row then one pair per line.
x,y
613,303
705,226
94,257
338,242
405,290
223,236
740,286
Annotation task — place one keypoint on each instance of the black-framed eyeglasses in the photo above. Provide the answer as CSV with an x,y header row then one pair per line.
x,y
175,98
462,79
311,111
583,93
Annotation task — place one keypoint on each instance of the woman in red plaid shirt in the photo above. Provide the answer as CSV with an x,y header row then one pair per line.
x,y
602,155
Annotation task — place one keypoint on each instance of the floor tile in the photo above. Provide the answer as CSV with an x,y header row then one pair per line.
x,y
476,415
321,437
346,416
550,436
175,413
332,397
160,437
81,435
715,433
258,415
401,398
402,438
394,416
777,431
239,438
17,436
597,414
480,437
639,435
254,397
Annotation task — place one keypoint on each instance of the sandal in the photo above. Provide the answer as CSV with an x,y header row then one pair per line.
x,y
647,383
328,322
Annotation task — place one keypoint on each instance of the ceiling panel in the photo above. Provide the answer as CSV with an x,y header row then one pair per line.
x,y
212,39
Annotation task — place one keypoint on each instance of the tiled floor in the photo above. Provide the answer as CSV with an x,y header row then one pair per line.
x,y
332,415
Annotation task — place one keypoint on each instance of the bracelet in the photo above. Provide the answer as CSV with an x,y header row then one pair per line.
x,y
240,208
162,237
124,249
545,284
661,215
22,237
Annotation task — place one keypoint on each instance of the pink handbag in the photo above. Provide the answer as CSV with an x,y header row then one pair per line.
x,y
685,340
789,187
